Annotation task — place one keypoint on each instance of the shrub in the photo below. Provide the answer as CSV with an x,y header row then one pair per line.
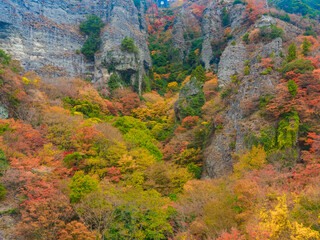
x,y
4,57
195,104
310,32
271,32
255,159
126,123
226,93
160,70
166,178
299,66
88,109
245,38
92,25
238,2
247,70
285,17
144,139
264,101
90,47
196,170
115,82
3,162
3,191
127,45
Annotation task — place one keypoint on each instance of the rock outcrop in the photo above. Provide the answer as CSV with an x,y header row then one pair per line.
x,y
124,20
4,114
44,35
238,121
240,117
213,29
231,63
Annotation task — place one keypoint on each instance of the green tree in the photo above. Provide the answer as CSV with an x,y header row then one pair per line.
x,y
306,47
225,17
287,133
91,27
127,213
81,185
292,55
292,87
199,74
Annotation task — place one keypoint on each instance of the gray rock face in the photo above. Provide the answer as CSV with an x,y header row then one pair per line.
x,y
238,123
267,50
265,21
183,23
231,62
4,114
44,36
124,20
213,29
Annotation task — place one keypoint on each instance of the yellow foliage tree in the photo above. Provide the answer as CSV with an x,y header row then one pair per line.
x,y
255,159
280,226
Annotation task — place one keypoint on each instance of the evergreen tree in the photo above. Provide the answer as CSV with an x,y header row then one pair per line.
x,y
91,27
306,47
199,74
292,55
225,17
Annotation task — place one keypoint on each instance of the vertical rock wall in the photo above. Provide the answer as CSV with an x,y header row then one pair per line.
x,y
44,35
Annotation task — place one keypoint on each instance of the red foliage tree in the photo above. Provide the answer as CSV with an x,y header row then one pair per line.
x,y
255,8
190,122
21,138
130,102
76,230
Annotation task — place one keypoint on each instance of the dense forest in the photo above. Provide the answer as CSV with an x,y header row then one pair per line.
x,y
80,160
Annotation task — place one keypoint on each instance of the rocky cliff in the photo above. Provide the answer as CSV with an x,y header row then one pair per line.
x,y
214,30
246,91
44,36
124,19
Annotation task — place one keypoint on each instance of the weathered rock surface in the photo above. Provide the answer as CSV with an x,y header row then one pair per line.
x,y
213,29
183,24
44,36
124,20
231,63
238,122
4,114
